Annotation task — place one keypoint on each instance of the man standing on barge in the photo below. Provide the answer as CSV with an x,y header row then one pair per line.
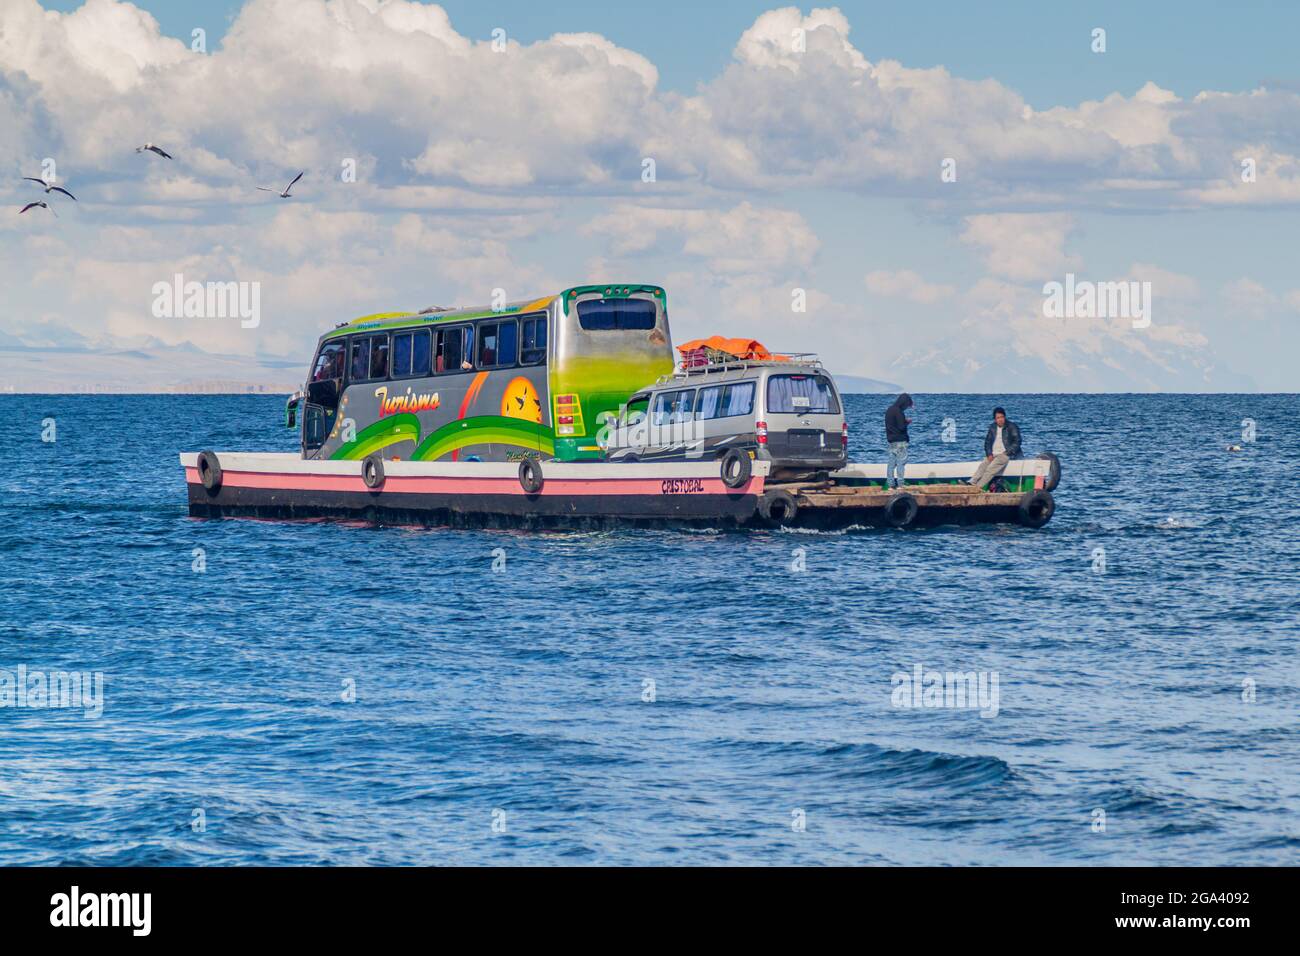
x,y
896,435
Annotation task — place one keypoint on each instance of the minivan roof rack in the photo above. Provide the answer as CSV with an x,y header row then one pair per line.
x,y
706,361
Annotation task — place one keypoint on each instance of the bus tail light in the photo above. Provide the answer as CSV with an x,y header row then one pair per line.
x,y
844,436
760,429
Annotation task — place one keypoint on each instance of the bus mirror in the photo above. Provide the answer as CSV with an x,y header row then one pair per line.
x,y
291,411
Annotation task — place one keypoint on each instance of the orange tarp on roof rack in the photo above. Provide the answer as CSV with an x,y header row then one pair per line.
x,y
740,348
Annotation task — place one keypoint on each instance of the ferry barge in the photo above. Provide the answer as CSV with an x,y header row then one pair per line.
x,y
503,417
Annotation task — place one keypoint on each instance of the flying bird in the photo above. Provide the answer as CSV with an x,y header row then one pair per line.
x,y
33,205
50,187
154,149
285,194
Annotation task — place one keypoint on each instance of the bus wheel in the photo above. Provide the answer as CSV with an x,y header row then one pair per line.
x,y
1036,508
736,468
900,510
372,471
210,471
778,507
530,475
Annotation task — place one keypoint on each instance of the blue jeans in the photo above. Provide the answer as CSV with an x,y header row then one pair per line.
x,y
897,462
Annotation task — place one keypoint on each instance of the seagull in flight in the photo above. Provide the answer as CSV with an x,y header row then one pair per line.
x,y
50,187
154,149
285,194
33,205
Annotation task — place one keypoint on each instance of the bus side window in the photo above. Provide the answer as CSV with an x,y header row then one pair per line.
x,y
534,341
379,357
402,355
449,352
360,360
507,344
420,353
487,345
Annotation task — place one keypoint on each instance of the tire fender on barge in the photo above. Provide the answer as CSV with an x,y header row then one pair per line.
x,y
778,507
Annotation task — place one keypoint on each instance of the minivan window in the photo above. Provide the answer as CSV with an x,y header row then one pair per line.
x,y
608,315
725,401
801,395
672,407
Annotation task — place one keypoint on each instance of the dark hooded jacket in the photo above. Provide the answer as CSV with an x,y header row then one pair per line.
x,y
895,421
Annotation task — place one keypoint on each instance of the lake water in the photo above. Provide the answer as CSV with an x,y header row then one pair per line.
x,y
332,693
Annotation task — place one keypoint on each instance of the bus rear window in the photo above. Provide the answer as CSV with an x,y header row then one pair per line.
x,y
801,395
616,315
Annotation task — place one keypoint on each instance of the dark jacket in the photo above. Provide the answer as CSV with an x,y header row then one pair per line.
x,y
895,421
1010,438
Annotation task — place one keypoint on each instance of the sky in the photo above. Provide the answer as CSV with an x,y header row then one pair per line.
x,y
892,185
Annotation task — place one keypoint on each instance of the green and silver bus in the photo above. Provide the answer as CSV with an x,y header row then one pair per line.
x,y
534,379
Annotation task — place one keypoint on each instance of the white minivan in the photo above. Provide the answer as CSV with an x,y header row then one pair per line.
x,y
787,413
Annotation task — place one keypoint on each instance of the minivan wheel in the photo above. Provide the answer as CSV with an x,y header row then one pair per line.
x,y
778,507
900,510
736,468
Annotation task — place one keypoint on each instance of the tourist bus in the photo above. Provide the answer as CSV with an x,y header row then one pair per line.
x,y
533,379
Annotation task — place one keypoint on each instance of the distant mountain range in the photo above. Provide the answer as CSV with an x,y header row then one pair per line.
x,y
148,370
857,385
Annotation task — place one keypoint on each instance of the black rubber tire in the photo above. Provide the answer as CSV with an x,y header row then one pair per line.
x,y
210,473
372,471
1054,476
778,507
737,468
1036,508
900,510
530,475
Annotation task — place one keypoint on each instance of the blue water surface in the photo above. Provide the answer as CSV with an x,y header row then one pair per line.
x,y
1147,713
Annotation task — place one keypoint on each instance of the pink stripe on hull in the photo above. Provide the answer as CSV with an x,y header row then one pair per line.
x,y
411,484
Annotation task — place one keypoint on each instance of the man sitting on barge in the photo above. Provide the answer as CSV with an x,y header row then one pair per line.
x,y
1001,444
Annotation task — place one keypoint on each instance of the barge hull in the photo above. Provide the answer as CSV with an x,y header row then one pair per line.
x,y
473,494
